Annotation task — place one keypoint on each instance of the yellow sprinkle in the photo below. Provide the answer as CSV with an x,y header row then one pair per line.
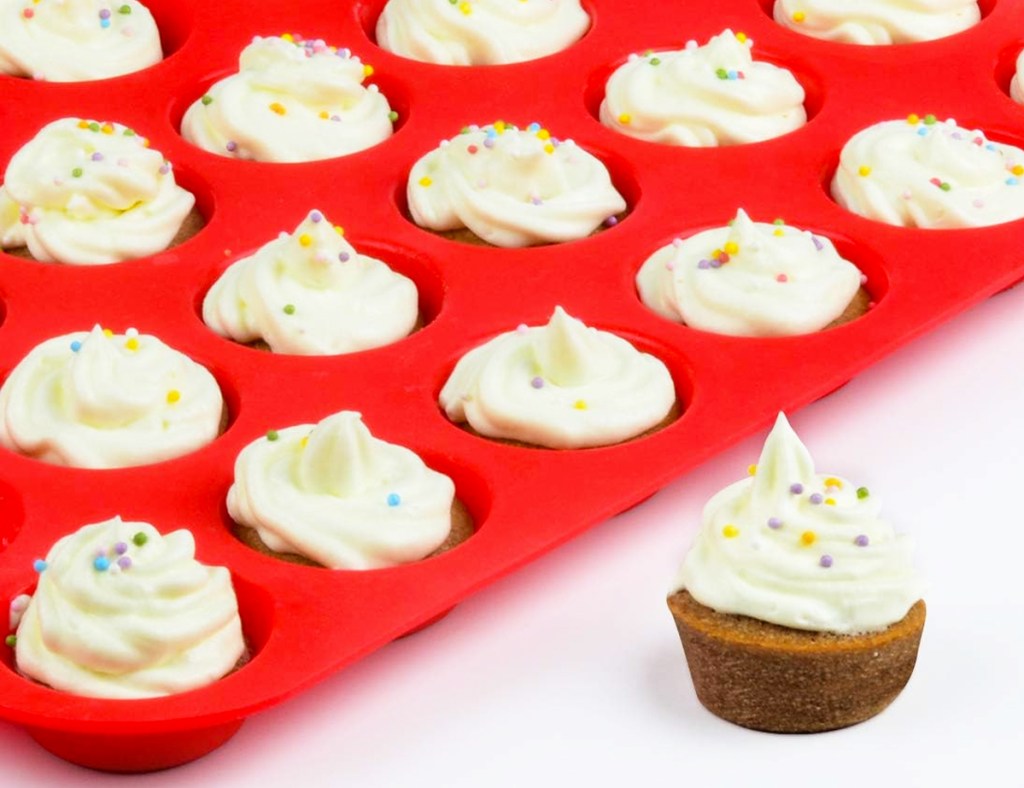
x,y
752,469
83,124
549,148
173,396
580,405
543,134
303,442
741,37
1018,170
132,343
106,128
913,119
425,181
808,538
832,481
799,17
730,532
779,232
145,142
305,240
864,171
732,247
278,108
830,501
499,126
367,70
625,118
339,229
325,114
716,253
288,37
108,333
466,8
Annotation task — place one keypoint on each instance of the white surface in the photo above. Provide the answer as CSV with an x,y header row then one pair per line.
x,y
570,671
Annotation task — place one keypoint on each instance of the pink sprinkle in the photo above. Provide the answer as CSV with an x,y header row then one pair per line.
x,y
28,13
670,266
935,181
472,149
863,279
978,141
522,328
782,278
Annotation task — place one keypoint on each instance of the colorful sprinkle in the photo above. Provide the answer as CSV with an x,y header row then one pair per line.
x,y
124,562
76,173
97,156
796,488
11,641
394,499
625,118
861,540
289,309
913,119
28,13
655,61
864,171
272,435
367,70
929,120
140,539
782,278
316,217
344,256
816,498
774,523
799,16
751,470
305,240
39,565
76,346
101,563
825,561
121,548
808,538
232,146
537,382
173,396
862,493
207,100
730,532
125,9
278,108
580,405
830,502
131,344
392,116
832,481
425,181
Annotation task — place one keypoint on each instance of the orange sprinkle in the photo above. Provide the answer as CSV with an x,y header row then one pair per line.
x,y
278,108
367,70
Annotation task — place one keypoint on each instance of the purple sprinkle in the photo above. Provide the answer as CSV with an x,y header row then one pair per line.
x,y
536,200
774,523
817,243
704,264
105,13
97,156
120,548
861,541
336,118
489,142
232,146
165,168
796,488
826,561
611,221
715,263
816,498
316,216
124,562
537,383
956,135
344,256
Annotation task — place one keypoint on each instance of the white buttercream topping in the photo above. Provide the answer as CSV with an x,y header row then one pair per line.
x,y
123,612
76,40
290,101
800,549
715,94
1017,83
512,187
749,279
88,192
479,32
563,385
877,21
311,293
93,400
928,174
339,496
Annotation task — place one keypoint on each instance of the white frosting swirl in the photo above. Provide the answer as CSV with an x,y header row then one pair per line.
x,y
311,293
88,193
479,32
877,21
562,386
512,187
291,101
338,496
932,175
800,549
749,279
113,618
99,400
76,40
1017,83
716,94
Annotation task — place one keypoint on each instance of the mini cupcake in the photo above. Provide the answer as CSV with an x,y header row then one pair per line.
x,y
102,400
559,386
703,96
920,172
511,187
86,192
753,279
76,40
797,607
330,494
877,21
479,32
292,100
121,611
311,293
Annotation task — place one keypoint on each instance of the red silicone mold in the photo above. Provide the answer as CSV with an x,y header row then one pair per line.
x,y
524,501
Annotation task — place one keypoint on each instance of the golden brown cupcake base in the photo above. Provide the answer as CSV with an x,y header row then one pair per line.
x,y
464,235
462,529
783,680
857,307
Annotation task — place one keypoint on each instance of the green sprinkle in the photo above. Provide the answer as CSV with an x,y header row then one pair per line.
x,y
125,9
392,116
862,492
94,126
207,100
77,172
778,221
945,186
272,435
929,120
11,641
655,61
289,309
129,133
721,73
140,539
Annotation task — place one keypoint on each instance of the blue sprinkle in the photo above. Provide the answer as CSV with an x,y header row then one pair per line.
x,y
492,133
533,127
104,23
921,132
1012,181
732,74
990,146
39,565
76,346
101,563
394,499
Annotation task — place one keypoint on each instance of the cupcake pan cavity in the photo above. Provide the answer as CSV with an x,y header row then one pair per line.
x,y
523,502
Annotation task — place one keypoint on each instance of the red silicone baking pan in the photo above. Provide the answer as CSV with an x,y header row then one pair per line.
x,y
305,623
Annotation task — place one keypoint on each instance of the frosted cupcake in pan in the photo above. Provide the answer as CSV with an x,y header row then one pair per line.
x,y
702,96
798,607
753,279
877,21
98,399
921,172
331,494
292,100
76,40
87,192
123,611
479,32
563,385
312,293
511,187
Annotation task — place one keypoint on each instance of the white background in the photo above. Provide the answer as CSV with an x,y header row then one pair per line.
x,y
570,671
